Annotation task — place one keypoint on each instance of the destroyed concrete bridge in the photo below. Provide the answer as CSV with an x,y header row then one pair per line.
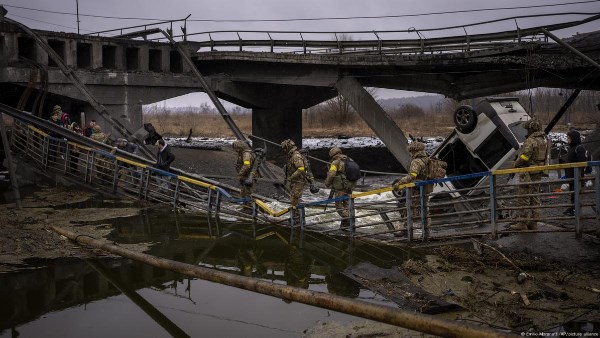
x,y
114,76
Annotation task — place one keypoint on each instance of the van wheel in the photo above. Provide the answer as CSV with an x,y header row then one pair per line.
x,y
465,119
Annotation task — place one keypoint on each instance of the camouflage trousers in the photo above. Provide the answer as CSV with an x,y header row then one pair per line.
x,y
296,189
246,191
342,206
532,201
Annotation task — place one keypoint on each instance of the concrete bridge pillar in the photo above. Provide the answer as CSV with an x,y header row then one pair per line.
x,y
277,124
379,121
276,109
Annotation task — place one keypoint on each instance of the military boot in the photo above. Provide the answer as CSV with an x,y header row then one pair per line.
x,y
531,225
344,224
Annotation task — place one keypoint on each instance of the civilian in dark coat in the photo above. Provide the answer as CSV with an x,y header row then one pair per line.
x,y
164,156
576,154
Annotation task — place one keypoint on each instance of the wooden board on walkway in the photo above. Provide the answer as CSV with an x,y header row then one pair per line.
x,y
397,287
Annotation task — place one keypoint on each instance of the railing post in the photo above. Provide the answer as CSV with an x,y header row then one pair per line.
x,y
352,213
45,151
28,141
218,202
493,214
91,167
409,223
424,224
272,43
597,190
577,205
86,167
67,156
176,192
210,192
142,180
147,183
254,213
115,174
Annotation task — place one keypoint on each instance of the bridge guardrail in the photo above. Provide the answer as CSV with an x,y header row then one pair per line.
x,y
416,214
371,41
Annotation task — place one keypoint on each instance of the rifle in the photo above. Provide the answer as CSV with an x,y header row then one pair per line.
x,y
259,157
331,193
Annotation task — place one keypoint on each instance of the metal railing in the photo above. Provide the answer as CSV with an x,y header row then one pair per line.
x,y
380,41
407,41
467,205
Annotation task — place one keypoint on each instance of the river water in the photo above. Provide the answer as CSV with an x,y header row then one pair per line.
x,y
118,297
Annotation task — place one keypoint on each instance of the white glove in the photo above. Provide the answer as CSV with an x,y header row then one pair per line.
x,y
589,184
564,187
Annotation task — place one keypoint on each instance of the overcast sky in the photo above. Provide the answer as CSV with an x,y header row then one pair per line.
x,y
305,9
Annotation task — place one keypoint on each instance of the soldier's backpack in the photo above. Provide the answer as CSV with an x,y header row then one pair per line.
x,y
352,170
436,168
588,157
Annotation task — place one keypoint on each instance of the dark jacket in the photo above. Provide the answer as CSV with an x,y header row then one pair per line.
x,y
576,153
164,158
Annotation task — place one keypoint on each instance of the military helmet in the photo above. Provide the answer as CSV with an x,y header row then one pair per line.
x,y
334,151
56,110
533,124
288,144
416,146
97,128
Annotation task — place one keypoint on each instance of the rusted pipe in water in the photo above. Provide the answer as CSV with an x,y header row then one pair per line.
x,y
384,314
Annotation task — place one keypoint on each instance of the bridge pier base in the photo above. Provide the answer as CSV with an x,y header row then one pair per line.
x,y
276,125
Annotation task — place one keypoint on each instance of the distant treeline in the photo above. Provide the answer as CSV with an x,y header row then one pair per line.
x,y
420,116
543,102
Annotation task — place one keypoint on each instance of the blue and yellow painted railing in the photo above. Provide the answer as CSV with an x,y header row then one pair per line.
x,y
265,207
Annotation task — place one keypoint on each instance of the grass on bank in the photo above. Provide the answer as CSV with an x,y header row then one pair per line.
x,y
210,125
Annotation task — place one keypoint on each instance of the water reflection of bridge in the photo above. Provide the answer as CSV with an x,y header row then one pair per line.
x,y
267,253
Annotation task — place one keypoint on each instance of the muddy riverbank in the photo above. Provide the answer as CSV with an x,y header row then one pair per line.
x,y
25,234
560,292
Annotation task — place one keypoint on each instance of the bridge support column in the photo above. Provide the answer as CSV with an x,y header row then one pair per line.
x,y
277,124
379,121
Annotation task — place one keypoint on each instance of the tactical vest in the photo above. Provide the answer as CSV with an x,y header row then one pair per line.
x,y
539,154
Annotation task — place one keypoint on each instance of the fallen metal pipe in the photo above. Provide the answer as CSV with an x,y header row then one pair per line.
x,y
384,314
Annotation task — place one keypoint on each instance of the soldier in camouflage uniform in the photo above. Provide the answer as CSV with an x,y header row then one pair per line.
x,y
243,166
533,153
417,172
296,173
336,180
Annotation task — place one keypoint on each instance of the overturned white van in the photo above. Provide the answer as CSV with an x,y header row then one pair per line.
x,y
487,137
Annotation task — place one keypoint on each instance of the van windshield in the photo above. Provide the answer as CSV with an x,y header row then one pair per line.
x,y
518,130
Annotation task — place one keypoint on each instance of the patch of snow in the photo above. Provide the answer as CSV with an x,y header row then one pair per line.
x,y
431,143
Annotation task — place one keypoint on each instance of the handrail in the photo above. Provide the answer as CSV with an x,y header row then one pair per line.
x,y
35,123
421,43
593,16
131,176
138,26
